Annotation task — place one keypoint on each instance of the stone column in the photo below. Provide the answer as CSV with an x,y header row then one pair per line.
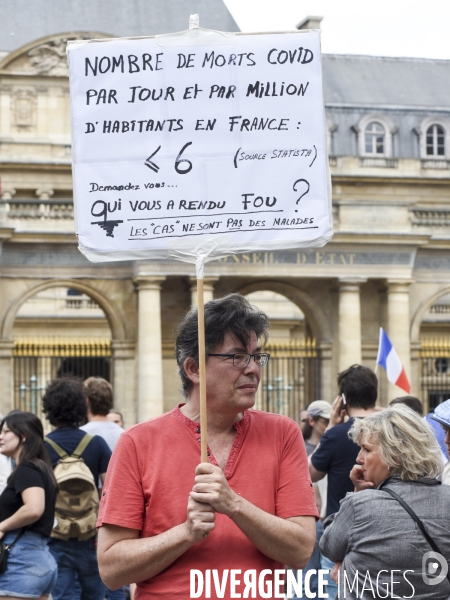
x,y
6,376
327,376
349,323
149,356
125,382
398,328
208,289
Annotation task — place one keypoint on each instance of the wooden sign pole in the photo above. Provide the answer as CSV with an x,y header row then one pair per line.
x,y
202,371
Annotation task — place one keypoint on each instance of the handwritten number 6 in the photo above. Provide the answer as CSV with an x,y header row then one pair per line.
x,y
179,160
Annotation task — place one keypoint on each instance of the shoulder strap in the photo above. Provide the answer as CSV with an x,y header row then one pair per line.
x,y
59,451
413,515
16,539
82,445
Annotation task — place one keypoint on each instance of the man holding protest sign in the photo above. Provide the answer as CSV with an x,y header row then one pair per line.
x,y
250,510
223,166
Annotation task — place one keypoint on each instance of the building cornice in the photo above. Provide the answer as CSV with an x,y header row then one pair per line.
x,y
399,179
378,106
369,238
42,237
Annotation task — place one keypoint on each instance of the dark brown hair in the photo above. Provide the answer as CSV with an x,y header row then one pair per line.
x,y
360,386
64,402
28,427
230,314
414,403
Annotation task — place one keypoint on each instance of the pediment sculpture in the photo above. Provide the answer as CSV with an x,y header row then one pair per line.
x,y
44,57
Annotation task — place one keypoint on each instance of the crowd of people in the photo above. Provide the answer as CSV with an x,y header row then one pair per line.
x,y
49,504
356,491
395,478
365,448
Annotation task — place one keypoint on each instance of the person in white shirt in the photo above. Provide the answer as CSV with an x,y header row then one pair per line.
x,y
99,403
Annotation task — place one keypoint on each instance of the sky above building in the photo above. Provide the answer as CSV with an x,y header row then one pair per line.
x,y
383,28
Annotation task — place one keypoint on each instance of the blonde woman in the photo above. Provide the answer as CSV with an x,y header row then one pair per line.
x,y
383,551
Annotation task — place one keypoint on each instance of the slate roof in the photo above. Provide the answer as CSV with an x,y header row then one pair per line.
x,y
23,21
366,81
389,82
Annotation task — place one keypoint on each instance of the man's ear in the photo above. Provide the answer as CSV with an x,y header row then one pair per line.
x,y
311,421
191,369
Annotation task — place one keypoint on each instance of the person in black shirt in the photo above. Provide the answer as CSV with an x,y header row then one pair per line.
x,y
27,507
336,454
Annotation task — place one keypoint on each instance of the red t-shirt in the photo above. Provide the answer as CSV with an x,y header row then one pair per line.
x,y
152,471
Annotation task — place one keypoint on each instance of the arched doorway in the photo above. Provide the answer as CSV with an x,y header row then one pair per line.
x,y
434,338
58,331
292,378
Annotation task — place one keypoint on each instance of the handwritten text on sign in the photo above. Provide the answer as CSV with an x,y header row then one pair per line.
x,y
177,142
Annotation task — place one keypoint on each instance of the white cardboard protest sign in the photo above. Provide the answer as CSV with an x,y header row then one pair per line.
x,y
199,144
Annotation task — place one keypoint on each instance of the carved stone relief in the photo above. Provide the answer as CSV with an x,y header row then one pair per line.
x,y
23,108
50,58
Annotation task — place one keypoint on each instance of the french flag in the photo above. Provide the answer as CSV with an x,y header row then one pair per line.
x,y
389,360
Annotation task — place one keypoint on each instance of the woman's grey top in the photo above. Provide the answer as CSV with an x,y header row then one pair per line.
x,y
373,533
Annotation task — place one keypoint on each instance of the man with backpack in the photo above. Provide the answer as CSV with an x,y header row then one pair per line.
x,y
79,460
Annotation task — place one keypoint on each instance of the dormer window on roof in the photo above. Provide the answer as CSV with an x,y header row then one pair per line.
x,y
435,142
374,139
374,133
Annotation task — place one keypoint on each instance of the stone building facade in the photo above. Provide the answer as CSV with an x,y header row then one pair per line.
x,y
387,265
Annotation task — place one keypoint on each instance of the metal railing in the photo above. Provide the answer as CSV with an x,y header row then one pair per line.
x,y
63,346
434,371
291,379
37,360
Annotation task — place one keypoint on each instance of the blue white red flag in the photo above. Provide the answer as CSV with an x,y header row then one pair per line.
x,y
389,360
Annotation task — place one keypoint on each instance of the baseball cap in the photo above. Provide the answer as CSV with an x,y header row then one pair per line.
x,y
319,408
442,413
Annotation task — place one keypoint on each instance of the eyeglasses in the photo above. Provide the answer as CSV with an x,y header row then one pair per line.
x,y
241,360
